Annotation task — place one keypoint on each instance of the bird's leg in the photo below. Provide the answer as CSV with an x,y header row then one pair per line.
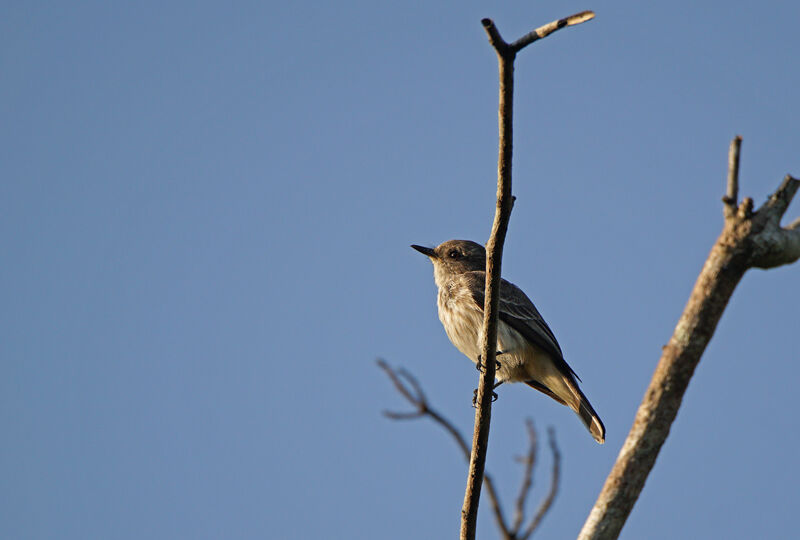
x,y
497,362
494,394
479,363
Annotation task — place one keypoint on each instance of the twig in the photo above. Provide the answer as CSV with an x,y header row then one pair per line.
x,y
549,28
732,194
527,477
545,505
748,239
416,397
494,250
423,408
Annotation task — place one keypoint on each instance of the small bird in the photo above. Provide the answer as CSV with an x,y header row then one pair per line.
x,y
527,349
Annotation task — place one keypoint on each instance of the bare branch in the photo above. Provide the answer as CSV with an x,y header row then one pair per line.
x,y
527,477
745,210
549,28
403,415
420,395
495,39
420,402
506,49
494,256
773,245
545,505
416,400
732,194
748,239
780,200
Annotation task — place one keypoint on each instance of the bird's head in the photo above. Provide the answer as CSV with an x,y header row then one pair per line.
x,y
454,257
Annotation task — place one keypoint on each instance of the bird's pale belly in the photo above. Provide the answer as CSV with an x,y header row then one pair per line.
x,y
464,325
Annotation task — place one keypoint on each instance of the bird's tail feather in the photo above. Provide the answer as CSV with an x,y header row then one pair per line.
x,y
587,415
572,397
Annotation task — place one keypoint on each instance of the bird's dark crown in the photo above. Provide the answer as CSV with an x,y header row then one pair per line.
x,y
460,256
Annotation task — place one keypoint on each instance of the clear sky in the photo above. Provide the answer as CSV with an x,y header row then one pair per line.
x,y
205,214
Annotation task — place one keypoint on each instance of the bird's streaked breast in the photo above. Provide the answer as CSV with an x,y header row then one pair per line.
x,y
463,322
461,319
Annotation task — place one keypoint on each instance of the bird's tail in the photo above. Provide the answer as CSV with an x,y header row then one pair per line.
x,y
570,395
587,414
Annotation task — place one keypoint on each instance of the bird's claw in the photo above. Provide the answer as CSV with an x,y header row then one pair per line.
x,y
479,364
475,397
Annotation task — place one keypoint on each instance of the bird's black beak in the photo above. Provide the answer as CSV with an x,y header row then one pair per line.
x,y
425,250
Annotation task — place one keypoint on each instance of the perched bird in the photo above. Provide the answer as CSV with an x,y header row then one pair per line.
x,y
527,349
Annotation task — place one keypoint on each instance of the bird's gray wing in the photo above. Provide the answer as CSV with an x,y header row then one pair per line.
x,y
517,311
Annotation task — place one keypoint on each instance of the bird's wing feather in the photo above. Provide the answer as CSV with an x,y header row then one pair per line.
x,y
517,311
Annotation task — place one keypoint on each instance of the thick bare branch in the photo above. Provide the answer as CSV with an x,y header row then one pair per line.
x,y
748,239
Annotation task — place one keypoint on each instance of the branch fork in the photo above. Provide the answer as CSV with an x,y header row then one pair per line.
x,y
506,53
408,387
749,239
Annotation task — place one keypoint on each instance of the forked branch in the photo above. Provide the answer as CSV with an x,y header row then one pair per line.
x,y
494,255
748,240
408,387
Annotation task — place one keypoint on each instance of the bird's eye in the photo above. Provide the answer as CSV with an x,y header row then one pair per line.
x,y
454,254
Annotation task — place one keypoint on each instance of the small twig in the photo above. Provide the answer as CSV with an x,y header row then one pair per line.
x,y
420,402
732,194
549,28
527,477
783,196
545,505
504,48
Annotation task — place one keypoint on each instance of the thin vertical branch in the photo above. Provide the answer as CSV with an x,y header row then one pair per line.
x,y
494,251
494,255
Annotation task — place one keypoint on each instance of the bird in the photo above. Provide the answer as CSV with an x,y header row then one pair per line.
x,y
528,351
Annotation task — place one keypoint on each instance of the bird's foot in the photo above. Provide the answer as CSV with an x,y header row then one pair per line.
x,y
479,364
475,397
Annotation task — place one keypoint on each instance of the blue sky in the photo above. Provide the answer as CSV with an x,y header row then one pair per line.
x,y
205,214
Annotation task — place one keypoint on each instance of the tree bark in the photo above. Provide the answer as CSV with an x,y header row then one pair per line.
x,y
748,240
